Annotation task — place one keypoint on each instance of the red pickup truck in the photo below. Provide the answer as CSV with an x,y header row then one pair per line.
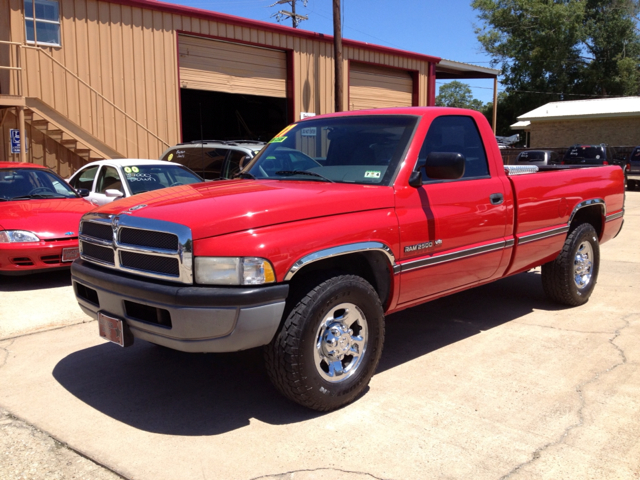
x,y
340,220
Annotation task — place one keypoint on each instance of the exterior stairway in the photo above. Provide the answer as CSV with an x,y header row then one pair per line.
x,y
68,134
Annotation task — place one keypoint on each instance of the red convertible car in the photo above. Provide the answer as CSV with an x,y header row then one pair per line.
x,y
39,217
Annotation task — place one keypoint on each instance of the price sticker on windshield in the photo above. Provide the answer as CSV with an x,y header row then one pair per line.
x,y
278,139
285,130
372,174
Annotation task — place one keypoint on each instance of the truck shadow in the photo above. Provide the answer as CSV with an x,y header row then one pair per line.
x,y
35,281
164,391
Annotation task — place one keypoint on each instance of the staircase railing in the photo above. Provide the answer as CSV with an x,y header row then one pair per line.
x,y
20,59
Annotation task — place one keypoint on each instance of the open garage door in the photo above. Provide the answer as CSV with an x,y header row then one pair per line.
x,y
231,91
232,68
371,86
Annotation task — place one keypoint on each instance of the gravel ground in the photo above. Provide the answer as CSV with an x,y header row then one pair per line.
x,y
26,453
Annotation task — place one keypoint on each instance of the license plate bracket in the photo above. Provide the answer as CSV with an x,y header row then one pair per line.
x,y
114,329
70,254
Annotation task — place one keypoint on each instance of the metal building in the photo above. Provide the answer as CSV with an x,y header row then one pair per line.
x,y
89,79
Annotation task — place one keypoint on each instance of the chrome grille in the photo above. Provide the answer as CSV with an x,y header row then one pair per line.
x,y
151,263
97,252
146,238
141,246
97,230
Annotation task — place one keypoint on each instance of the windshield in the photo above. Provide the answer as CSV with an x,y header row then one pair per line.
x,y
143,178
30,183
356,149
584,151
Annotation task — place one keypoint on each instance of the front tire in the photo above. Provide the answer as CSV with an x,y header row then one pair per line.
x,y
571,277
330,344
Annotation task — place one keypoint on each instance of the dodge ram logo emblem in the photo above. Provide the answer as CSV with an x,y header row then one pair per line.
x,y
133,209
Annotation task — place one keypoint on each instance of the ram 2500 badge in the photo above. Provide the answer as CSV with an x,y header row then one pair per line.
x,y
340,220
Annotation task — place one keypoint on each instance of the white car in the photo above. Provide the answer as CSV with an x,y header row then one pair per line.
x,y
108,180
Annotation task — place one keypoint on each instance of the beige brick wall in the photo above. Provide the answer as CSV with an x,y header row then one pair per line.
x,y
614,131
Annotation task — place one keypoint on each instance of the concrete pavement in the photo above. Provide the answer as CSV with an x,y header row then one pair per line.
x,y
492,383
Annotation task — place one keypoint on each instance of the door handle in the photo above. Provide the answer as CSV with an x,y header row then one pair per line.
x,y
496,198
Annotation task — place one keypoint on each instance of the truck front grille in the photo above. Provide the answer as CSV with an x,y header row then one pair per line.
x,y
97,230
146,238
142,246
96,252
150,263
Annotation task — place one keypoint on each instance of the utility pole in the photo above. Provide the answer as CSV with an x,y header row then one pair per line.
x,y
284,14
337,54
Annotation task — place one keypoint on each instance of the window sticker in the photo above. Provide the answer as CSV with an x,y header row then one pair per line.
x,y
372,174
127,169
278,139
140,177
285,130
170,157
135,169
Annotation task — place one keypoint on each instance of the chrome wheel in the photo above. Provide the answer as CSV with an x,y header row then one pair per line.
x,y
341,341
583,265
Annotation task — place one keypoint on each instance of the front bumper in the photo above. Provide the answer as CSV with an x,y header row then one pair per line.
x,y
189,318
33,257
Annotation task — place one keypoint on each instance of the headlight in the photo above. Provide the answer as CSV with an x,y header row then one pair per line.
x,y
10,236
233,271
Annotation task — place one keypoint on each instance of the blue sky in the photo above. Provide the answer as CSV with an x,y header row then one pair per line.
x,y
433,27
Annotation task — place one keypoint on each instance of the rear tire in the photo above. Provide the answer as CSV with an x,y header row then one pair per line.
x,y
330,344
571,277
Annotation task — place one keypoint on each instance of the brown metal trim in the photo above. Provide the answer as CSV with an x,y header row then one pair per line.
x,y
179,87
431,86
291,98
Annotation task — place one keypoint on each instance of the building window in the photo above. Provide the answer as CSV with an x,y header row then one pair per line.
x,y
47,21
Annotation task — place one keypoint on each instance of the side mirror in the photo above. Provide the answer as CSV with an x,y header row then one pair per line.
x,y
112,192
415,180
445,165
83,192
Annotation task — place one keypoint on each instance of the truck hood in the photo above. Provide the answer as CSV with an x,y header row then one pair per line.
x,y
218,208
47,218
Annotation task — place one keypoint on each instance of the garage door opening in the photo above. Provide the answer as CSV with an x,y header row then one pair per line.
x,y
227,116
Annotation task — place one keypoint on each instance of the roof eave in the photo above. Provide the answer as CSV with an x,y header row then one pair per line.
x,y
548,118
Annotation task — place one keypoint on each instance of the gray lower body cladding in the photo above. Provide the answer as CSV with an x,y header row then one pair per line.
x,y
182,317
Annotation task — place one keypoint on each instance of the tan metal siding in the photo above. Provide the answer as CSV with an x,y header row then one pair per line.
x,y
129,55
126,56
377,87
232,68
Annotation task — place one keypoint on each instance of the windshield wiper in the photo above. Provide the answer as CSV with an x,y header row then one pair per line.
x,y
38,195
287,173
244,175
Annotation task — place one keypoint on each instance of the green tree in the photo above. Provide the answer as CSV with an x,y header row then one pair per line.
x,y
457,94
551,50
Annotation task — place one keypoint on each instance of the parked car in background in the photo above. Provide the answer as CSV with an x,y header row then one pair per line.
x,y
39,218
592,155
214,159
538,157
632,168
108,180
588,155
